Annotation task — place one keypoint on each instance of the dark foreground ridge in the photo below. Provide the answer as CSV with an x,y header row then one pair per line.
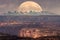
x,y
27,38
13,37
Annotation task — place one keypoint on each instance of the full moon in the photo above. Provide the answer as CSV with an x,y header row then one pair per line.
x,y
28,6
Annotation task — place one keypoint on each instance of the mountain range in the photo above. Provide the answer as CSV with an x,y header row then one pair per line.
x,y
15,13
45,21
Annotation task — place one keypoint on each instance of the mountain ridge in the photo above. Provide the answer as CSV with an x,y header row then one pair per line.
x,y
30,13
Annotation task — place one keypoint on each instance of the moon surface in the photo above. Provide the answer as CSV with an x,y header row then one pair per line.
x,y
28,6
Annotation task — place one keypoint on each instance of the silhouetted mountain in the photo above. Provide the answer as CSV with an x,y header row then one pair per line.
x,y
12,37
47,13
51,22
4,36
45,18
12,22
30,13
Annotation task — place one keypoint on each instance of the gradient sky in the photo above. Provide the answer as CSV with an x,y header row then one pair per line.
x,y
48,5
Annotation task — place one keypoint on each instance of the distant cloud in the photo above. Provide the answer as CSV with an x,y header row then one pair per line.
x,y
7,7
50,5
3,6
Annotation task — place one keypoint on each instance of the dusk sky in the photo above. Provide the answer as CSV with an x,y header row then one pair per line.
x,y
48,5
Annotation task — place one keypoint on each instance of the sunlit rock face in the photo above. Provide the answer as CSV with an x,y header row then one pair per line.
x,y
35,33
30,32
